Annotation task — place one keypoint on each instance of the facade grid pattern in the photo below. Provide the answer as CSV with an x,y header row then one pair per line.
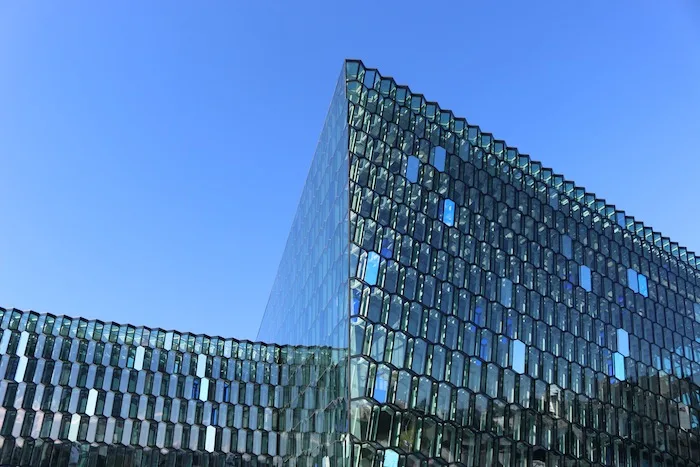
x,y
501,315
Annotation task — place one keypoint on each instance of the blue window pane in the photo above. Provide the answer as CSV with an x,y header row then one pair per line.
x,y
387,247
632,280
391,458
585,277
439,158
643,289
372,269
623,342
696,307
412,169
609,364
566,246
518,356
381,386
621,219
506,292
356,300
619,366
554,199
448,212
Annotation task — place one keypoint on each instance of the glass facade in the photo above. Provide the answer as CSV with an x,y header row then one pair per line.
x,y
500,314
79,392
442,300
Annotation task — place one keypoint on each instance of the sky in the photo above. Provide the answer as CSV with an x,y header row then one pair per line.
x,y
152,154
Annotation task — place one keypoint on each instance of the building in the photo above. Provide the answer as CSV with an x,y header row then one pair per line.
x,y
442,300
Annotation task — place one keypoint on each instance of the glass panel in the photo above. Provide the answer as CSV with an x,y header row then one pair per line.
x,y
91,402
439,158
372,269
518,356
391,458
506,292
566,246
632,281
138,360
619,366
643,289
448,214
201,365
623,342
381,385
412,167
585,277
204,389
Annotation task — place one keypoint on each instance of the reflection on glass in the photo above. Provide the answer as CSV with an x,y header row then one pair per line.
x,y
566,246
585,277
619,366
621,219
448,215
439,158
412,167
391,458
372,269
643,288
518,356
381,386
506,292
387,250
632,280
554,199
623,342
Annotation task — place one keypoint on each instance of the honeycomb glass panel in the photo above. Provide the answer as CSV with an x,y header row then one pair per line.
x,y
448,214
518,356
438,159
412,166
585,277
372,268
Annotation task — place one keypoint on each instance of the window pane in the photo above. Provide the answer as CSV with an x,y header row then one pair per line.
x,y
623,342
632,280
391,458
372,269
643,289
439,158
381,386
619,366
585,277
448,214
412,169
506,292
566,246
518,356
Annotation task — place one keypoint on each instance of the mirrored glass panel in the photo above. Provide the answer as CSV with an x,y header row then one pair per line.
x,y
623,342
632,280
372,268
619,366
412,166
518,356
643,287
448,215
585,277
439,156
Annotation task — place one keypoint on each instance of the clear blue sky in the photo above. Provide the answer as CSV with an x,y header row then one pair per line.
x,y
152,153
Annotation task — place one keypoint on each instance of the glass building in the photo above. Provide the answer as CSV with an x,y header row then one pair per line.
x,y
442,300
